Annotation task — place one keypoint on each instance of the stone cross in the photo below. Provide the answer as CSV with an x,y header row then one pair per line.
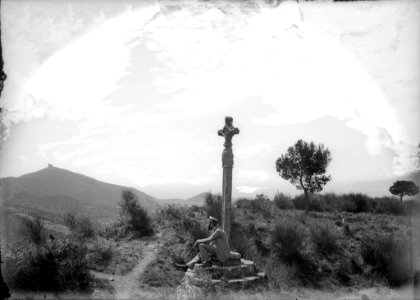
x,y
227,132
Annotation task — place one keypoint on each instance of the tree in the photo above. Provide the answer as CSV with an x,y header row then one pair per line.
x,y
304,165
133,216
404,188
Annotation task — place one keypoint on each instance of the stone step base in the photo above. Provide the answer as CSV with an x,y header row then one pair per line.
x,y
245,282
243,275
245,269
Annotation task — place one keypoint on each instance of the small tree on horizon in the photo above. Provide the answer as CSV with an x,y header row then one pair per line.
x,y
403,188
304,165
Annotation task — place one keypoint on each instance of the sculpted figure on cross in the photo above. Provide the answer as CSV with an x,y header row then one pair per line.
x,y
228,132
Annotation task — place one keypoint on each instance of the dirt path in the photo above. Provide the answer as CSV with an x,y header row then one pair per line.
x,y
127,285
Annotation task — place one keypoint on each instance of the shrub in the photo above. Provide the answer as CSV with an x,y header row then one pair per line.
x,y
342,272
55,267
241,242
283,201
287,240
388,257
280,275
173,212
362,203
99,256
244,203
325,241
81,226
262,204
85,227
314,203
34,231
70,220
331,201
133,216
114,231
195,229
389,206
213,206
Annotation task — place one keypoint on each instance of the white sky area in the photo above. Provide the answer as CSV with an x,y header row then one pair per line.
x,y
133,93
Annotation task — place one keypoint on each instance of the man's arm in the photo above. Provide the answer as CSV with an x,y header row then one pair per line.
x,y
209,239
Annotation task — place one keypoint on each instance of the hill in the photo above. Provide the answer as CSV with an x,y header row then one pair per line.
x,y
57,191
196,200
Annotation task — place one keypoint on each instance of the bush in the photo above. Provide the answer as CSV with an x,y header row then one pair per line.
x,y
173,212
287,240
280,275
325,241
195,229
244,203
54,267
81,226
70,220
388,257
389,206
213,206
34,231
315,203
241,242
133,216
99,256
260,204
362,203
342,272
283,201
85,228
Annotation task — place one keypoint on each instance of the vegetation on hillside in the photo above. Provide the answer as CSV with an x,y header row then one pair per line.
x,y
133,217
319,249
351,202
39,259
41,263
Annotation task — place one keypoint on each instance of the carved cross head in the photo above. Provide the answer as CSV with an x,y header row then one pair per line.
x,y
228,132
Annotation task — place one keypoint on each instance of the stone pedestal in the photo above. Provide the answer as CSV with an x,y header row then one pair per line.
x,y
227,162
243,275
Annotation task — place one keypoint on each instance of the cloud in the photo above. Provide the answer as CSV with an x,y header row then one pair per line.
x,y
259,175
407,161
73,83
249,151
22,158
292,65
248,189
205,62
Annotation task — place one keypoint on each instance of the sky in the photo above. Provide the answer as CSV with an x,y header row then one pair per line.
x,y
133,93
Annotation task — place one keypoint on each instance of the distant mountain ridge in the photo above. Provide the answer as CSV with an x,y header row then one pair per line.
x,y
58,191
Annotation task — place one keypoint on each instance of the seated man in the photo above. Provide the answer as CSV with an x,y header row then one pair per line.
x,y
214,247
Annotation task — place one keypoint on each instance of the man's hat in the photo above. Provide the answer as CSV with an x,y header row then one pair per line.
x,y
213,220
